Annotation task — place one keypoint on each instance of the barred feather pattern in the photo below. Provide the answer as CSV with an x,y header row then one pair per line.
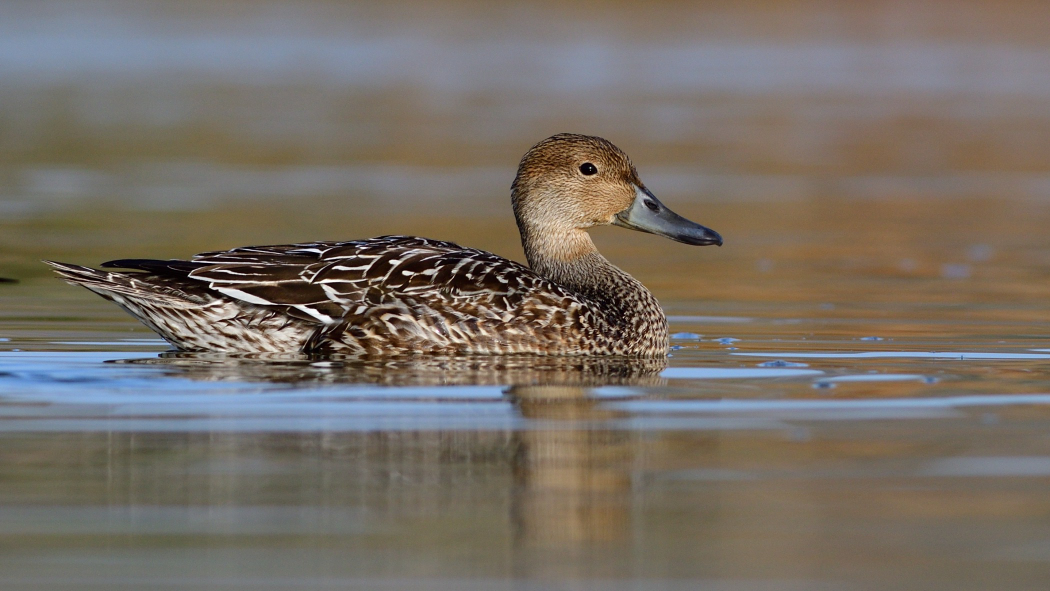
x,y
381,296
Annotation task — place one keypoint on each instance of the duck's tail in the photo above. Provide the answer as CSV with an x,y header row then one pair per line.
x,y
121,285
185,312
172,312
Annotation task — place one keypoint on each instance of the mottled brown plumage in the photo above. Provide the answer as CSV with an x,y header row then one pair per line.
x,y
404,295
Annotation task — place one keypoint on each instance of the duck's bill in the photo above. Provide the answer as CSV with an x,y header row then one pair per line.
x,y
647,214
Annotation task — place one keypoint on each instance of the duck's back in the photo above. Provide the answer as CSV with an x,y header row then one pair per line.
x,y
393,294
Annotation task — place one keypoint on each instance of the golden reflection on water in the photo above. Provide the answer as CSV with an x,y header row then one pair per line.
x,y
572,486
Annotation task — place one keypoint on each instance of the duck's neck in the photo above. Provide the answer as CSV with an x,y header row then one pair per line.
x,y
570,259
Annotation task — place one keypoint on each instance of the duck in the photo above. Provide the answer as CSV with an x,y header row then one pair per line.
x,y
407,295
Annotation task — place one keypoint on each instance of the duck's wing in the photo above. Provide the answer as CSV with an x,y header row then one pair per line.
x,y
261,275
273,276
393,287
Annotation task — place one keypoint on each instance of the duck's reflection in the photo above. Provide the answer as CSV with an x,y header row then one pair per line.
x,y
572,481
512,371
570,475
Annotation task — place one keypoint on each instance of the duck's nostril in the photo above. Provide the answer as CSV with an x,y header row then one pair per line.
x,y
652,205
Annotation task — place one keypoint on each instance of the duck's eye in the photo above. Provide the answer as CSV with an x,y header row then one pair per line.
x,y
588,169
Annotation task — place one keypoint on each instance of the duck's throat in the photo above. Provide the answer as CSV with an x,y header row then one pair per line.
x,y
567,258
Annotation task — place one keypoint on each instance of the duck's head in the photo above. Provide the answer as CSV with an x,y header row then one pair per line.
x,y
568,183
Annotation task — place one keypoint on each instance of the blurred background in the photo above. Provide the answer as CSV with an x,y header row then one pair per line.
x,y
880,171
887,141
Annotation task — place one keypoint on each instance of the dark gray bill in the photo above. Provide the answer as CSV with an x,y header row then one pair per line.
x,y
647,214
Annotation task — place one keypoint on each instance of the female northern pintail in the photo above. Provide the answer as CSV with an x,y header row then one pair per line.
x,y
401,294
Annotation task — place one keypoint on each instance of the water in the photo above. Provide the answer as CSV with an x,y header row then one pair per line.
x,y
858,392
123,465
